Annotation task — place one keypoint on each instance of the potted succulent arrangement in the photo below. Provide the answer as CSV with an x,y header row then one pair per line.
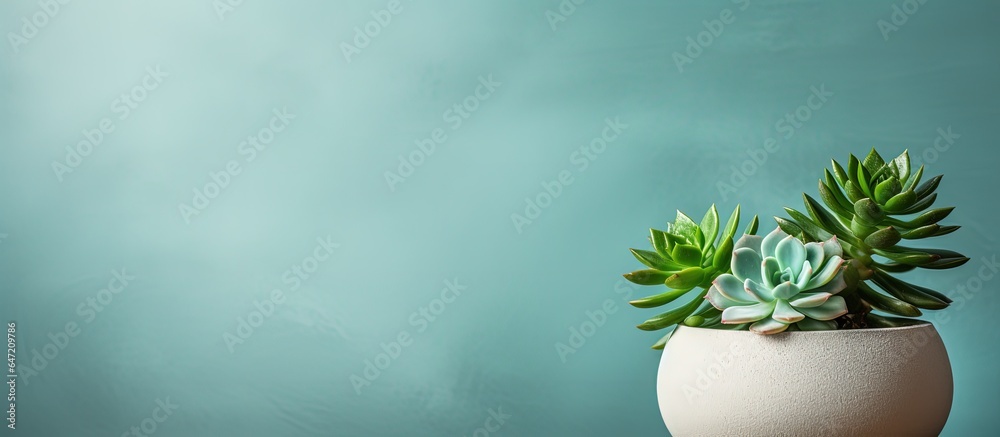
x,y
806,330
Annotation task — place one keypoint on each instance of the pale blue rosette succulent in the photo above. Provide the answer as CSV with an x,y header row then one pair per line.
x,y
778,281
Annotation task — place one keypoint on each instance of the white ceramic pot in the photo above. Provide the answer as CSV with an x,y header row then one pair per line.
x,y
861,382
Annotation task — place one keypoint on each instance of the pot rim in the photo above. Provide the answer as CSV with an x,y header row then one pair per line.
x,y
922,324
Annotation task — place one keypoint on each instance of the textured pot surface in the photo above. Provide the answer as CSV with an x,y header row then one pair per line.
x,y
862,382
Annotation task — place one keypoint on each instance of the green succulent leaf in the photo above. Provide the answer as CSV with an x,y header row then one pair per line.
x,y
912,258
827,221
928,187
885,303
909,293
685,227
723,256
921,204
869,212
853,164
881,174
860,228
930,217
647,277
832,201
706,310
752,227
662,342
921,232
901,202
656,261
834,187
808,225
659,240
877,321
913,182
686,254
873,162
886,189
710,226
946,263
734,221
945,230
902,165
694,321
673,316
687,278
864,180
660,299
937,294
883,238
892,267
853,192
789,227
840,173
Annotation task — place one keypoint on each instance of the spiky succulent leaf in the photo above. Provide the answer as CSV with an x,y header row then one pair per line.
x,y
901,202
710,226
673,316
647,277
877,321
920,205
927,188
886,189
902,165
752,227
686,279
659,299
659,240
909,293
685,227
885,303
723,255
883,238
874,162
655,260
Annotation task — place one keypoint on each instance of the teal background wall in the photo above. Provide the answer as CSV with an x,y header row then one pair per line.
x,y
175,335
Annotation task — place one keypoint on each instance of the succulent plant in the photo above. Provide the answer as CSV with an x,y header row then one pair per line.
x,y
871,206
778,282
686,256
